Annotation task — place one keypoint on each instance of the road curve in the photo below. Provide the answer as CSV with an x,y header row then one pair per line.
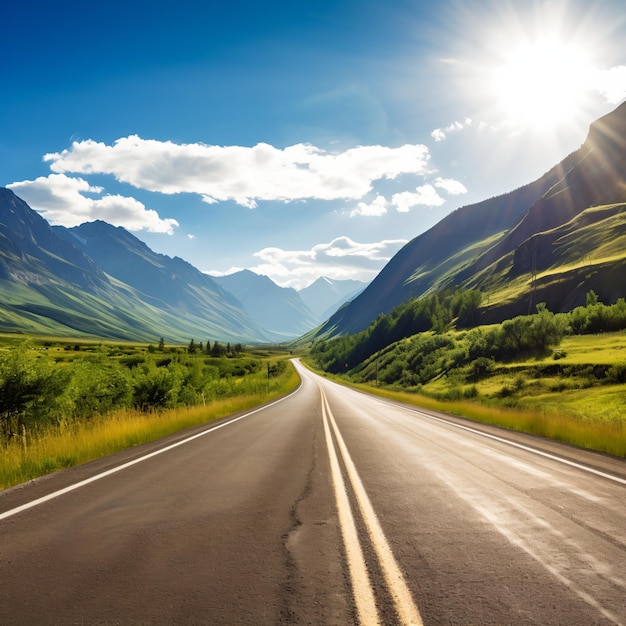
x,y
327,507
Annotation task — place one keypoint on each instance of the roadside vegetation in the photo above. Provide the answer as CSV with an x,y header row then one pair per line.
x,y
562,376
64,403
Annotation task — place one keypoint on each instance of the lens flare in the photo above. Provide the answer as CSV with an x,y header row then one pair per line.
x,y
542,83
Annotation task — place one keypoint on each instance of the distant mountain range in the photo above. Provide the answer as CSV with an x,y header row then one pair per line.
x,y
101,281
550,241
326,295
277,309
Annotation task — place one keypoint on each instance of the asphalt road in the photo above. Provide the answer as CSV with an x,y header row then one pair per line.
x,y
327,507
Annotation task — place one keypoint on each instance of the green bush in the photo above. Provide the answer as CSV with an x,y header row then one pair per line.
x,y
616,373
30,390
37,390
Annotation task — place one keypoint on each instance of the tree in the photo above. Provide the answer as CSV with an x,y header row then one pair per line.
x,y
468,309
591,298
218,349
30,389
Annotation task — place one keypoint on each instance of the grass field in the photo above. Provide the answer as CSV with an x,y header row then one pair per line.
x,y
86,441
70,442
567,396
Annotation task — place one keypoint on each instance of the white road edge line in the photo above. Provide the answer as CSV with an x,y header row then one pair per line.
x,y
361,585
584,468
403,600
119,468
521,446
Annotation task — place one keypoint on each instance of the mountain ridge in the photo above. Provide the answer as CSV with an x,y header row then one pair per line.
x,y
280,310
326,295
551,241
50,284
476,245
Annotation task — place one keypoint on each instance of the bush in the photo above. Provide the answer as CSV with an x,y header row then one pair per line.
x,y
482,367
616,374
30,391
98,385
155,388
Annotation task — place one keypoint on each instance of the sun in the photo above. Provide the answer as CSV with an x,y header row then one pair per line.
x,y
541,83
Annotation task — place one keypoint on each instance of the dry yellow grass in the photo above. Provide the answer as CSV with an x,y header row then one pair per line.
x,y
82,441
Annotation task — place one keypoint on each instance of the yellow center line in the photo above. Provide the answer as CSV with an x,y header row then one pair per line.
x,y
361,587
405,606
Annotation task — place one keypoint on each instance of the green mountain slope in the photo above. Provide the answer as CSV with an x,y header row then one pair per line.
x,y
50,286
560,266
169,284
501,245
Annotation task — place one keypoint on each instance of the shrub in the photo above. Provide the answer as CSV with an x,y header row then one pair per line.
x,y
482,367
155,388
616,373
30,391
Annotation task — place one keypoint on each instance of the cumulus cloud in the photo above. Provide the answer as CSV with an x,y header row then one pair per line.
x,y
440,134
245,175
61,200
341,258
403,202
376,208
451,186
425,195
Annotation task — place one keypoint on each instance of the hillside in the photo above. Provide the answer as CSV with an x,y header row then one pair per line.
x,y
51,284
519,248
170,284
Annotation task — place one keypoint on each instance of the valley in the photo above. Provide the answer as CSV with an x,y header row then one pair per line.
x,y
492,304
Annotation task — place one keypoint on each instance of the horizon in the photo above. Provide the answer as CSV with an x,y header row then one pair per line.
x,y
296,142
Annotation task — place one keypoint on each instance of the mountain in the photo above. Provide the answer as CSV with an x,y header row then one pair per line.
x,y
50,283
280,310
550,241
324,296
30,251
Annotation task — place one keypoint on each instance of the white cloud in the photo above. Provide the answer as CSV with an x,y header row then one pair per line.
x,y
61,200
611,83
377,207
425,195
440,134
245,175
451,186
341,258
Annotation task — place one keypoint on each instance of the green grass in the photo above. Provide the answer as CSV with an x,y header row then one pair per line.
x,y
586,415
86,440
605,348
554,420
593,240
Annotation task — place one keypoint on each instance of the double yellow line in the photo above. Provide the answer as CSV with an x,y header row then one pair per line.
x,y
362,588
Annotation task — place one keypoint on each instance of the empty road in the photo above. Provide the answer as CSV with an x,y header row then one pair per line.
x,y
326,507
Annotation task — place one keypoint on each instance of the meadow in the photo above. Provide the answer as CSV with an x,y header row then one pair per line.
x,y
64,403
561,376
580,409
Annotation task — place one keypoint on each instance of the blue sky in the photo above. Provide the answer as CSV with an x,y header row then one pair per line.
x,y
295,139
